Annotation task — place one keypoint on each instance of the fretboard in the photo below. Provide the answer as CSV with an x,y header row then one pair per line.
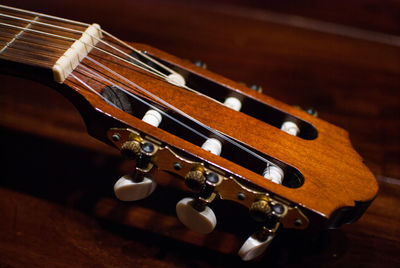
x,y
34,38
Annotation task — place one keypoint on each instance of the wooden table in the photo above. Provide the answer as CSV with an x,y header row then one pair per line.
x,y
56,202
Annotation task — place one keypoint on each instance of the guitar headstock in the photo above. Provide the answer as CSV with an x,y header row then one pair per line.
x,y
222,139
244,154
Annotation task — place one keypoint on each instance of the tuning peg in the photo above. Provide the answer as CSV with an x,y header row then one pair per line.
x,y
152,117
270,214
290,128
194,213
233,103
274,174
255,246
176,79
139,185
126,189
212,145
199,218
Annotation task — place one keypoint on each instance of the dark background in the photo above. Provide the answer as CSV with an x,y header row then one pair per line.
x,y
340,57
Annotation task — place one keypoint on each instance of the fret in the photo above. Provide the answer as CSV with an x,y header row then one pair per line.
x,y
46,26
18,34
32,44
22,12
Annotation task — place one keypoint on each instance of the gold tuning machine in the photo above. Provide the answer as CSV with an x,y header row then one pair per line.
x,y
195,179
206,180
130,149
260,210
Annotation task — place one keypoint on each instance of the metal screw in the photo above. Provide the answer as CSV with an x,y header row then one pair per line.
x,y
147,147
115,137
298,222
278,209
200,64
177,166
256,88
241,196
212,177
312,111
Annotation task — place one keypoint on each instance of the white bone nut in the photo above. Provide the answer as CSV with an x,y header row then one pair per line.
x,y
176,79
274,174
199,221
75,54
290,128
252,248
126,189
152,117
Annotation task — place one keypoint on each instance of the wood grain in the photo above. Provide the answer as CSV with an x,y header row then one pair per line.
x,y
352,83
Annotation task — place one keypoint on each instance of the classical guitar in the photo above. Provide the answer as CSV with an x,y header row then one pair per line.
x,y
223,140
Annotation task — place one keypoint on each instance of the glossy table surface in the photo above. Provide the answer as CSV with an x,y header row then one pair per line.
x,y
56,198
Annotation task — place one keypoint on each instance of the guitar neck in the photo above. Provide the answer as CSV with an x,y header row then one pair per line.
x,y
35,39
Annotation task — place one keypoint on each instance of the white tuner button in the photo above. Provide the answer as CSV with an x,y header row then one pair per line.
x,y
252,248
212,145
126,189
290,128
274,174
176,79
199,221
233,103
152,117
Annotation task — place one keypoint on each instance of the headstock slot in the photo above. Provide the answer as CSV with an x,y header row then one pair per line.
x,y
293,177
250,106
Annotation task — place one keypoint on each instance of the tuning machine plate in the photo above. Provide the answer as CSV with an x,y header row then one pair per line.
x,y
225,187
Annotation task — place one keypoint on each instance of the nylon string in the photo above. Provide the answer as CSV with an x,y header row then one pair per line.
x,y
132,84
101,77
153,70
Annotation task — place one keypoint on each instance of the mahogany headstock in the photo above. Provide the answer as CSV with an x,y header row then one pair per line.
x,y
323,173
321,179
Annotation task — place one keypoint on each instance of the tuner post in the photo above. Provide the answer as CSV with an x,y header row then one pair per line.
x,y
270,212
194,213
147,151
143,162
139,184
